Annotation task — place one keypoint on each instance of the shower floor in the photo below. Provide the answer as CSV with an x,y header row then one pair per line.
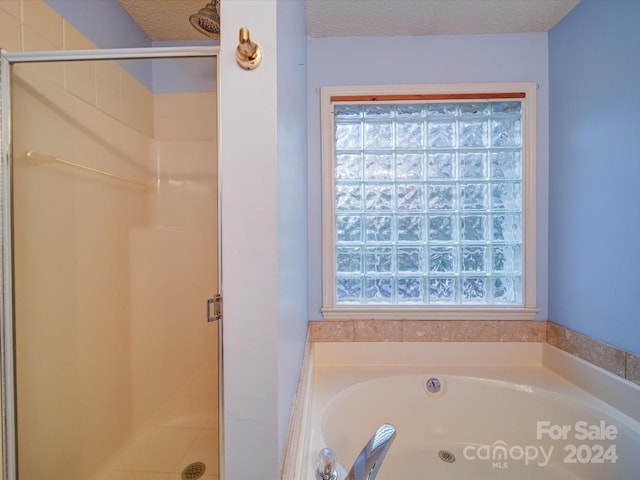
x,y
186,431
163,452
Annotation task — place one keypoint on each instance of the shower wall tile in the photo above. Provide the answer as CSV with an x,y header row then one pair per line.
x,y
12,7
195,119
189,128
10,36
185,116
164,128
137,105
189,105
97,83
42,21
80,80
109,89
47,78
33,42
166,104
186,160
109,99
79,77
165,111
209,122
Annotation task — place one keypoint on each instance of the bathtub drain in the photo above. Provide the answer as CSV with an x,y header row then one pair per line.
x,y
446,456
193,471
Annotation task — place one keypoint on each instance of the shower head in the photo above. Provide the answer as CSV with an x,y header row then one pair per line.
x,y
207,20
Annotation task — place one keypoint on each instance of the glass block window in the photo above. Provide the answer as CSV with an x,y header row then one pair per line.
x,y
427,202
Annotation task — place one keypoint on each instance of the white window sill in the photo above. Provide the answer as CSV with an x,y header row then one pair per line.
x,y
429,313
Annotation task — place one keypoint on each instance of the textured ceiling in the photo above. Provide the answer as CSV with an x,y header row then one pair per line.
x,y
165,20
354,18
169,19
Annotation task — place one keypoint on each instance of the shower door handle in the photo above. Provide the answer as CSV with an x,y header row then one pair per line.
x,y
216,301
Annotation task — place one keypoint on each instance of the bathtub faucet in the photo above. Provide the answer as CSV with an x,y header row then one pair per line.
x,y
368,462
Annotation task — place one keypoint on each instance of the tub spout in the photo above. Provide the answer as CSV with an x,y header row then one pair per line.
x,y
368,462
326,469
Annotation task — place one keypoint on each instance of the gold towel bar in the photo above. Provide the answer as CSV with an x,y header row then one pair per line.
x,y
38,157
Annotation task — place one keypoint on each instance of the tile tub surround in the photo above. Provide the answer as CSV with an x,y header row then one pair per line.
x,y
613,359
427,331
601,354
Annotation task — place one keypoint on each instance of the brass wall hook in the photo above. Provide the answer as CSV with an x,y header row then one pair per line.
x,y
248,54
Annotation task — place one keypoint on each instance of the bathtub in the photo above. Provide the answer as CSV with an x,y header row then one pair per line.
x,y
502,410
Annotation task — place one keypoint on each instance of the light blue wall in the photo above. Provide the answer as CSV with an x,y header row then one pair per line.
x,y
172,75
429,59
292,205
594,262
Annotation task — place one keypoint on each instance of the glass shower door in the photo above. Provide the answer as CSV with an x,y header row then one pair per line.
x,y
115,255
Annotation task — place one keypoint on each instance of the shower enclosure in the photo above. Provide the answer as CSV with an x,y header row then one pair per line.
x,y
110,253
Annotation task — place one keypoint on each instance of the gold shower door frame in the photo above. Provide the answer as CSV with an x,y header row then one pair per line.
x,y
8,423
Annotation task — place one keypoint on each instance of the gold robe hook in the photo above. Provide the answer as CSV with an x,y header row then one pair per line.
x,y
248,54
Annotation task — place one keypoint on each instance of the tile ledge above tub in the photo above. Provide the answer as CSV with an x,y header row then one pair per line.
x,y
427,331
620,362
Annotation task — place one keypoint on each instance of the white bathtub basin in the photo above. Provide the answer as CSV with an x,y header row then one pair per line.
x,y
501,411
